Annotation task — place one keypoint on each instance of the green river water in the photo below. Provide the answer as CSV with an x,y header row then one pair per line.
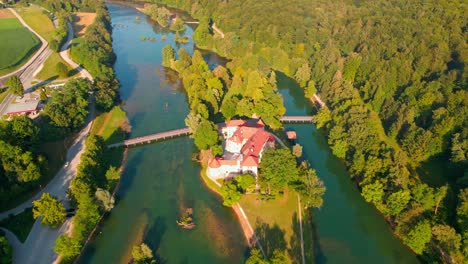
x,y
161,179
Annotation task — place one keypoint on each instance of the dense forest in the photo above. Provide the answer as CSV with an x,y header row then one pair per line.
x,y
393,76
95,53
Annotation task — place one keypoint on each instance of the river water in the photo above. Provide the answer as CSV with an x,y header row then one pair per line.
x,y
162,179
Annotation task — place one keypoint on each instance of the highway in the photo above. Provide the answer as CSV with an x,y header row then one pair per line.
x,y
26,72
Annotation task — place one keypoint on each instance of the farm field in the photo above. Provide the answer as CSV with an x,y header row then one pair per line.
x,y
81,21
17,43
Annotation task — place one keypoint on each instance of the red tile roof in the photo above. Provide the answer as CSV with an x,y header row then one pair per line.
x,y
291,134
214,163
250,161
254,146
231,123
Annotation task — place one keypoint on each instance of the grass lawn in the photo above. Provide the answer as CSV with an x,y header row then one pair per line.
x,y
48,71
17,46
39,21
109,125
20,224
276,224
3,94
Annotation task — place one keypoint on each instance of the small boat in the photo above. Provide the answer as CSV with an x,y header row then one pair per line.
x,y
186,220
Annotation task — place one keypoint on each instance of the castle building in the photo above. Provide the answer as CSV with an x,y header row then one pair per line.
x,y
243,145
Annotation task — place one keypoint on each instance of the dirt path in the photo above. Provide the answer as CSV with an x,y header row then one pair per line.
x,y
101,130
300,227
218,30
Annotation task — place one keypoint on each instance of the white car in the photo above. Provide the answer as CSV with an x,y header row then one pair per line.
x,y
66,164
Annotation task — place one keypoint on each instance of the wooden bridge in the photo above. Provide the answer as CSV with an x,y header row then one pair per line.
x,y
297,119
186,131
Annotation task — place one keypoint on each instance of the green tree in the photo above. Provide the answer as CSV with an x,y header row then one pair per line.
x,y
15,85
67,247
277,169
230,193
168,54
206,135
322,117
112,174
279,257
50,210
68,107
105,198
373,192
192,121
398,201
310,187
310,89
449,240
142,254
419,236
61,69
303,74
6,252
256,257
245,182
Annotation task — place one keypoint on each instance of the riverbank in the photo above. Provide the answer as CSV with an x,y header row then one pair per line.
x,y
215,187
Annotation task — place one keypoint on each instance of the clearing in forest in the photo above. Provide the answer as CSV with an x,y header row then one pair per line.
x,y
81,21
17,44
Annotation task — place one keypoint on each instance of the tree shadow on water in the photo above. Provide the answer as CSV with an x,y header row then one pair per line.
x,y
312,249
270,237
154,236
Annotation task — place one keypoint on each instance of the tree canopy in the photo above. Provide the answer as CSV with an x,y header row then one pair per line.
x,y
68,106
15,85
51,211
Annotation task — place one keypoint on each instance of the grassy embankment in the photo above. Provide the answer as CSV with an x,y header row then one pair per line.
x,y
18,43
39,20
112,127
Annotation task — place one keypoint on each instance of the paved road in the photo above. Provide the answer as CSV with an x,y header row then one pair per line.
x,y
26,73
65,56
39,246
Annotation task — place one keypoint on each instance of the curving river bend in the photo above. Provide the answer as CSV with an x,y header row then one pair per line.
x,y
161,179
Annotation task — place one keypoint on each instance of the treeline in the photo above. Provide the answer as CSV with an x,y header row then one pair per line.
x,y
57,6
163,15
90,194
95,53
393,74
233,92
21,164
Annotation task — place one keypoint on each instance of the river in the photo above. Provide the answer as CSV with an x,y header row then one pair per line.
x,y
161,179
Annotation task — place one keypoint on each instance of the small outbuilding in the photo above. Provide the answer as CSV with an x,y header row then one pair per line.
x,y
23,108
291,135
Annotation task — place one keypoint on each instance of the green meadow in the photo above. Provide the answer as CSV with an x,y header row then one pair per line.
x,y
17,44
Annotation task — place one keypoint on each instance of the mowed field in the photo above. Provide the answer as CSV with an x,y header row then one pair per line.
x,y
81,21
38,20
17,44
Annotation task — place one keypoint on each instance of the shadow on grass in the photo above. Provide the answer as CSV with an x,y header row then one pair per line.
x,y
271,238
20,224
312,250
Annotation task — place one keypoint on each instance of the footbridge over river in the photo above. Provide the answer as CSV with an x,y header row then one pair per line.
x,y
185,131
